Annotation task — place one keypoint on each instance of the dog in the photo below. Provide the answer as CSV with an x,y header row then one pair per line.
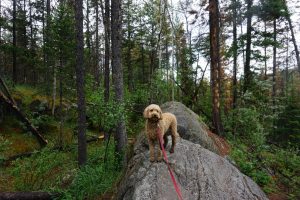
x,y
165,121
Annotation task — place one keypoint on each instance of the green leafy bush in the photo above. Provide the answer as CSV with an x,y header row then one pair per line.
x,y
245,123
104,114
286,166
248,164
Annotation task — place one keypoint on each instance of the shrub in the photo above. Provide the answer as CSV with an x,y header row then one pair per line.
x,y
249,164
245,123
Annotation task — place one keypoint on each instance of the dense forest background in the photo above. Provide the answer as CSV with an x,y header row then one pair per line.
x,y
74,72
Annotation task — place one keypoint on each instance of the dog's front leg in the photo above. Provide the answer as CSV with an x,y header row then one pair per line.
x,y
159,155
151,148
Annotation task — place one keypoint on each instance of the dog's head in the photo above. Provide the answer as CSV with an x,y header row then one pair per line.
x,y
153,112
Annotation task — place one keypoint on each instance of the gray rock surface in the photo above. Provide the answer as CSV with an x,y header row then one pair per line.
x,y
200,173
189,126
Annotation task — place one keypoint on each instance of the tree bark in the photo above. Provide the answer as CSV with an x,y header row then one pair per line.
x,y
288,17
1,57
129,47
14,76
274,62
97,70
247,71
116,37
81,109
106,22
235,48
215,64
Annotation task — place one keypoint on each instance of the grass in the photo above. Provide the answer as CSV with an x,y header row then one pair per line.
x,y
48,169
57,171
18,141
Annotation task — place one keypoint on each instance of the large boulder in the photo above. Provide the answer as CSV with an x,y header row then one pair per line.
x,y
190,127
200,173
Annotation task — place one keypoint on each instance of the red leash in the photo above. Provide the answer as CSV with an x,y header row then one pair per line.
x,y
161,142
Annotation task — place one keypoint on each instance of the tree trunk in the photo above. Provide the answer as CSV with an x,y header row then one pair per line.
x,y
53,91
1,58
14,76
247,71
81,107
46,46
265,53
235,48
214,49
288,17
274,62
106,22
60,102
129,47
97,70
116,39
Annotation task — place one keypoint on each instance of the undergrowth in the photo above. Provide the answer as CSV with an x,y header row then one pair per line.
x,y
58,172
276,170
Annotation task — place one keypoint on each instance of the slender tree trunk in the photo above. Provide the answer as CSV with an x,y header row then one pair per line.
x,y
235,48
97,70
274,61
143,63
88,33
106,22
81,107
151,67
15,76
32,43
129,47
60,102
53,91
265,49
214,49
274,88
47,49
288,17
24,41
44,42
116,38
1,58
105,10
247,71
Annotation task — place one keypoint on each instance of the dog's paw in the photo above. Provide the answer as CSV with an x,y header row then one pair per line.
x,y
159,159
152,159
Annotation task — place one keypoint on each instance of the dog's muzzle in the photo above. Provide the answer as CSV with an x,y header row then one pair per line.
x,y
154,118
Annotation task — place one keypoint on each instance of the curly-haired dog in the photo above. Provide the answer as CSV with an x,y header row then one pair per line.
x,y
155,117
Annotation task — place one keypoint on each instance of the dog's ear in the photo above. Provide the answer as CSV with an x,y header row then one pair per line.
x,y
146,113
160,114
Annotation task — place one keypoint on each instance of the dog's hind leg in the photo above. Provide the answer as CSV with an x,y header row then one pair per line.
x,y
165,140
174,134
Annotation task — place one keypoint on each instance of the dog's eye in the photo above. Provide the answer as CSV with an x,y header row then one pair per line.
x,y
151,110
